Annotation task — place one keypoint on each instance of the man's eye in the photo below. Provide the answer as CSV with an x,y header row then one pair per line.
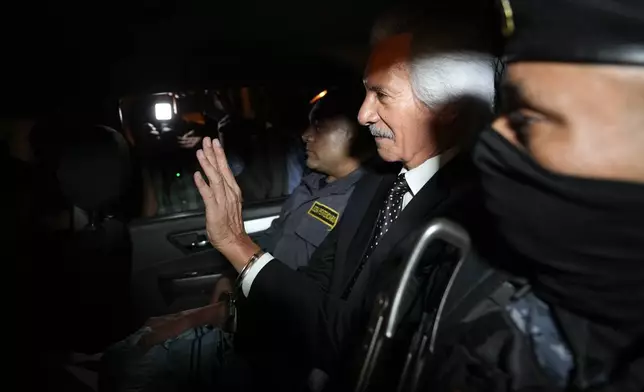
x,y
381,95
520,123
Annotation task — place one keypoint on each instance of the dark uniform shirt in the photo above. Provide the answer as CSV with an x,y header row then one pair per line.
x,y
310,213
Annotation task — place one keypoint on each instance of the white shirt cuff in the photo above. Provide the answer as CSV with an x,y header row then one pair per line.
x,y
254,271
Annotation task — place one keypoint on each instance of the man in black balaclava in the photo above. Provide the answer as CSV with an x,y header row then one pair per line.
x,y
563,174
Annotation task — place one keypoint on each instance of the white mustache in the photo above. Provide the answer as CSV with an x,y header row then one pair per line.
x,y
383,133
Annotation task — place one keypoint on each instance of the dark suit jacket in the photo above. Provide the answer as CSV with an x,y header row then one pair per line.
x,y
295,320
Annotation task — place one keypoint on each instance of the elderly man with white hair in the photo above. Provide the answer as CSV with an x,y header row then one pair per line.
x,y
426,94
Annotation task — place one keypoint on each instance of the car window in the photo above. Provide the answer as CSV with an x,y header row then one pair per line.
x,y
259,129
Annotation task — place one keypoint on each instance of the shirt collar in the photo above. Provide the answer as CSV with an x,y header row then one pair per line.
x,y
420,175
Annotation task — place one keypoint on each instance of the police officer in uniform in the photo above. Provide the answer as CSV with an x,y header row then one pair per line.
x,y
336,147
563,174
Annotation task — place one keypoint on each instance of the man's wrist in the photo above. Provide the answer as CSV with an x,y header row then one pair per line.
x,y
239,251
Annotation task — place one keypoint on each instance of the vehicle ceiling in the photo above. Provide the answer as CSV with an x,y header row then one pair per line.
x,y
116,47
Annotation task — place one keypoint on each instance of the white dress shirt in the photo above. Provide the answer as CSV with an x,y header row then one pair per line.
x,y
416,179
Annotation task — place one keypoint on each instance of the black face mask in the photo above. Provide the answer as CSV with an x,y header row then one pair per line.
x,y
581,241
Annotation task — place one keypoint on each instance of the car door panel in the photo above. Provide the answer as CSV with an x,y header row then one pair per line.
x,y
155,241
174,266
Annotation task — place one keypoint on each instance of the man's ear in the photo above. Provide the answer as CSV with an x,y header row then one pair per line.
x,y
447,115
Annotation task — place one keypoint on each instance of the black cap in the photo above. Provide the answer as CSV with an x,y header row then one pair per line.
x,y
584,31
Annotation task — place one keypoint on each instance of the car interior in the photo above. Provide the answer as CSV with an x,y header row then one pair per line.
x,y
174,268
113,111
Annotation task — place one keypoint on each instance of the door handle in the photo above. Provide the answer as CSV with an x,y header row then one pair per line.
x,y
200,243
190,242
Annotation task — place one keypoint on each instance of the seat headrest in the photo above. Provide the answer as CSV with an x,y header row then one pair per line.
x,y
94,168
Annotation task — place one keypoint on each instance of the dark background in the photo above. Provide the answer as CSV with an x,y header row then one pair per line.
x,y
60,51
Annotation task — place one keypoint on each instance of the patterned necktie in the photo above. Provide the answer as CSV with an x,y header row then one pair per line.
x,y
388,214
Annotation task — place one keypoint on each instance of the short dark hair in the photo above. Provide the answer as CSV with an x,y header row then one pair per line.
x,y
345,105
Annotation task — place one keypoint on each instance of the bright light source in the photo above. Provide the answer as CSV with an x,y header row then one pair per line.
x,y
317,97
178,174
163,111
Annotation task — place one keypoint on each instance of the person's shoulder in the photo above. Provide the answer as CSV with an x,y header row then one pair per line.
x,y
308,183
459,174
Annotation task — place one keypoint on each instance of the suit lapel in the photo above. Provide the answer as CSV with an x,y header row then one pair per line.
x,y
358,222
420,210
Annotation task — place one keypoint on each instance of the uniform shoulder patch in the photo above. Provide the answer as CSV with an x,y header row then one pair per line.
x,y
324,214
